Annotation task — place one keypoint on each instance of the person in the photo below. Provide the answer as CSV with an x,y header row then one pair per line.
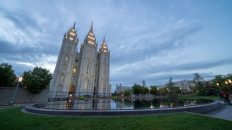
x,y
225,97
228,98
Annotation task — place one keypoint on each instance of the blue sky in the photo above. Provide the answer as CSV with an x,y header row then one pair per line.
x,y
149,40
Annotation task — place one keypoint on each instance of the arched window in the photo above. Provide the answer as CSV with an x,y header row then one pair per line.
x,y
68,49
62,78
71,88
65,67
87,69
59,88
74,70
86,83
66,58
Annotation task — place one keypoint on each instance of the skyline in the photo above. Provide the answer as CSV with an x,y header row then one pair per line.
x,y
150,41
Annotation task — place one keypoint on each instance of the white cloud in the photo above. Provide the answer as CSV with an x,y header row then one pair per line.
x,y
147,39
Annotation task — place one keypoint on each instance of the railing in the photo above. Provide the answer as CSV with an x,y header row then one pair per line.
x,y
61,96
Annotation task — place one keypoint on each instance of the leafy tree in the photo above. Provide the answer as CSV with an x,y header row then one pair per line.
x,y
170,83
223,82
210,90
199,84
7,76
172,90
154,90
127,92
36,80
145,90
197,78
163,91
138,89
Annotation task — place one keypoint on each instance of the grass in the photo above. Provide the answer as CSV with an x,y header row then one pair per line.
x,y
192,96
14,119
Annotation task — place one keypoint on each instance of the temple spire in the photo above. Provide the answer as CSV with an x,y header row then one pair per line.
x,y
104,47
104,39
74,25
90,36
91,28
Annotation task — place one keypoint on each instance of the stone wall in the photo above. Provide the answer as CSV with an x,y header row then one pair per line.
x,y
22,95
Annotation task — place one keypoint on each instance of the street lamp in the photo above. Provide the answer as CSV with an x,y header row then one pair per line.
x,y
229,80
12,101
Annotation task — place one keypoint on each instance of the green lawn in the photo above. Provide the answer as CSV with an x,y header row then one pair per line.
x,y
198,97
14,119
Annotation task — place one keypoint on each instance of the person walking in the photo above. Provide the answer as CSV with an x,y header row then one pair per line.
x,y
225,97
228,98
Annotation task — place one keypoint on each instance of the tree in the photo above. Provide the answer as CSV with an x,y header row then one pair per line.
x,y
36,80
170,84
199,84
154,90
138,89
197,78
210,90
7,76
223,82
172,90
163,91
127,92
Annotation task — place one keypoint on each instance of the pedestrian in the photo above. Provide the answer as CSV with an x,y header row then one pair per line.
x,y
227,97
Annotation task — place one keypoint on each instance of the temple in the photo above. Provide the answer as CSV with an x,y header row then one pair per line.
x,y
83,73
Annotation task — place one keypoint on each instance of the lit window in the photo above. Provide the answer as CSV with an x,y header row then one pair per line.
x,y
72,34
71,38
62,78
74,70
91,42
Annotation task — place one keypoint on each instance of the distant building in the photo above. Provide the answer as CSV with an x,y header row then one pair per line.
x,y
185,84
120,88
144,83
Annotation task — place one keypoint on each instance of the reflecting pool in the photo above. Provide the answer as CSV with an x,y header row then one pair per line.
x,y
109,104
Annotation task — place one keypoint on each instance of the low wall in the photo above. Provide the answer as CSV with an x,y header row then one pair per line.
x,y
22,95
205,108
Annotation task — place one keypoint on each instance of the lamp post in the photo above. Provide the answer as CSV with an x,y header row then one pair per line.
x,y
12,101
229,82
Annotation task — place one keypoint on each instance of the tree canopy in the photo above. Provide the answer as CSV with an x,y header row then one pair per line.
x,y
154,90
138,89
37,79
7,76
223,82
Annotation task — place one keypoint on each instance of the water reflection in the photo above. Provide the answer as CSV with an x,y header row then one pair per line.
x,y
105,104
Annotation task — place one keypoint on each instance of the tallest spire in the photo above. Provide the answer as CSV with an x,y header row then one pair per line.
x,y
104,39
91,28
74,25
90,36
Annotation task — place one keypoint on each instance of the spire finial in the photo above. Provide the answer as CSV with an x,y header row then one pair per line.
x,y
74,25
104,39
91,28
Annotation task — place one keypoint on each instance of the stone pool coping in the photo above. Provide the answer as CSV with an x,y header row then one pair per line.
x,y
202,109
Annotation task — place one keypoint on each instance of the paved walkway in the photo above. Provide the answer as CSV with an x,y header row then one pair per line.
x,y
223,113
